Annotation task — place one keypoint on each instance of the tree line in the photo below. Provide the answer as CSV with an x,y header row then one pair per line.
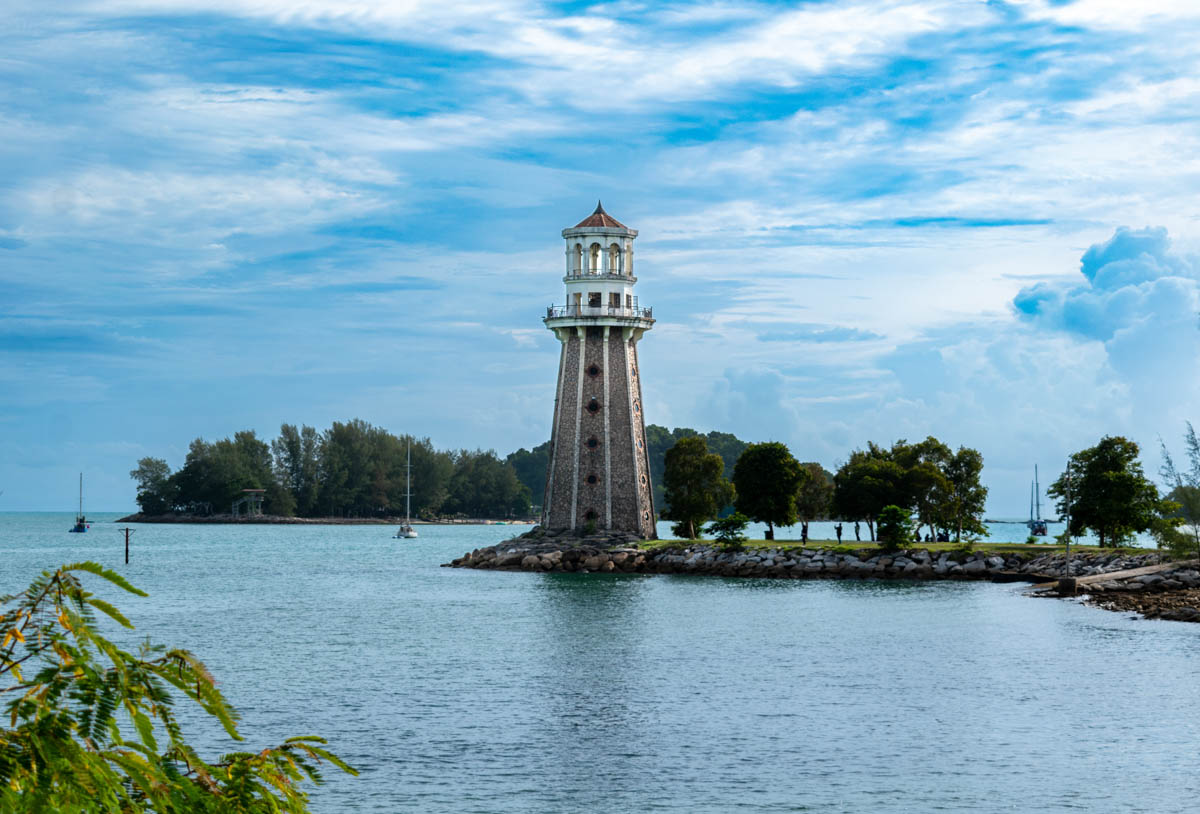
x,y
898,490
941,487
354,469
351,469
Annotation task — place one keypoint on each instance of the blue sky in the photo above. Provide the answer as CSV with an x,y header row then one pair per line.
x,y
859,221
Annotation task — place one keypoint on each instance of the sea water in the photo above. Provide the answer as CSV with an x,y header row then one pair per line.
x,y
455,690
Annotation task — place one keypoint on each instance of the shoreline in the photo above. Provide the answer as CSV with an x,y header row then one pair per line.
x,y
1173,593
277,520
600,553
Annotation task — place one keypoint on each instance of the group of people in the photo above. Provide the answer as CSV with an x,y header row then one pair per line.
x,y
942,536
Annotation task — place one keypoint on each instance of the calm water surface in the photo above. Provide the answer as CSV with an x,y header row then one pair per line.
x,y
471,691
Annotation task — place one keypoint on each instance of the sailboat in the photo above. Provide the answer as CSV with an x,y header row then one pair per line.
x,y
81,523
407,532
1037,526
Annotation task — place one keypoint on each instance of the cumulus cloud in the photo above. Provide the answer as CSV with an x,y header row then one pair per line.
x,y
1131,279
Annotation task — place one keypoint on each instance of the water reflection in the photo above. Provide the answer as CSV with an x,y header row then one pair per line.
x,y
593,629
594,723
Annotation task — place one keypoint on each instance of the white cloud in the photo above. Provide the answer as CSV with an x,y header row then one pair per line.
x,y
1112,13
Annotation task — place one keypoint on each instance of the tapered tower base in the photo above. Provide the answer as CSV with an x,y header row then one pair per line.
x,y
599,474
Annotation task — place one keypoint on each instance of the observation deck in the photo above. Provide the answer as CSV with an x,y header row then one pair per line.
x,y
561,316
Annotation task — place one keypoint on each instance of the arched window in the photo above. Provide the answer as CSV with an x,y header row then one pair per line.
x,y
614,259
594,259
577,259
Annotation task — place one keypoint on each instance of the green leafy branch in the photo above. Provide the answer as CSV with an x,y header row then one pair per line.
x,y
83,729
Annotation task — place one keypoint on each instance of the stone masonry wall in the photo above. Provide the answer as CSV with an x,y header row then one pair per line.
x,y
598,460
646,517
562,455
624,495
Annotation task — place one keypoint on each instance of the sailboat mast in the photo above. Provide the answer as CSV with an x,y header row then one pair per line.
x,y
1037,490
81,494
408,488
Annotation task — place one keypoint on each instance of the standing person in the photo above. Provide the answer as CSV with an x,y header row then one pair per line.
x,y
857,538
804,531
838,529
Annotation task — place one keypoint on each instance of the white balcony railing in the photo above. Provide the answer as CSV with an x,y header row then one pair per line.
x,y
563,311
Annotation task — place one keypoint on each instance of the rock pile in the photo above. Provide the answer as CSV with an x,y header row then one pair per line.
x,y
539,550
1171,594
1185,576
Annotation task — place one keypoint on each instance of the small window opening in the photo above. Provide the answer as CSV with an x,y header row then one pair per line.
x,y
593,299
593,406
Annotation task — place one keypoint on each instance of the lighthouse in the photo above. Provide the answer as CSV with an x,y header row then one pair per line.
x,y
599,476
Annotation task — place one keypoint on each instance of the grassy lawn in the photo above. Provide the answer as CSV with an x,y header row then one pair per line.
x,y
852,547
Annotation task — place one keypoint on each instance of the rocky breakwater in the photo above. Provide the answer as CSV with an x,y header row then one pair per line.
x,y
544,551
1173,593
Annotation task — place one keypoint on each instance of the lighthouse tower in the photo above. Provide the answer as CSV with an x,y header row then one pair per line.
x,y
599,474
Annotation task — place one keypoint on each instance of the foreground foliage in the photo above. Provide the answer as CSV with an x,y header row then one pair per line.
x,y
91,727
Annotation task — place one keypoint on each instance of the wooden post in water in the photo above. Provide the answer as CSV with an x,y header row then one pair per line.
x,y
127,531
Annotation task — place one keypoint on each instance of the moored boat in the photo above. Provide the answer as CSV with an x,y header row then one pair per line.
x,y
406,531
1037,526
81,523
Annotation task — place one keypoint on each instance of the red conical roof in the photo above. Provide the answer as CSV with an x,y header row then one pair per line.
x,y
600,218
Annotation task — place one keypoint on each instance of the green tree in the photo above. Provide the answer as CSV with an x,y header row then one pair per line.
x,y
962,504
91,727
1109,494
924,483
485,486
155,490
866,483
214,475
659,439
531,466
297,465
766,479
895,528
814,498
1185,494
694,487
730,531
431,471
